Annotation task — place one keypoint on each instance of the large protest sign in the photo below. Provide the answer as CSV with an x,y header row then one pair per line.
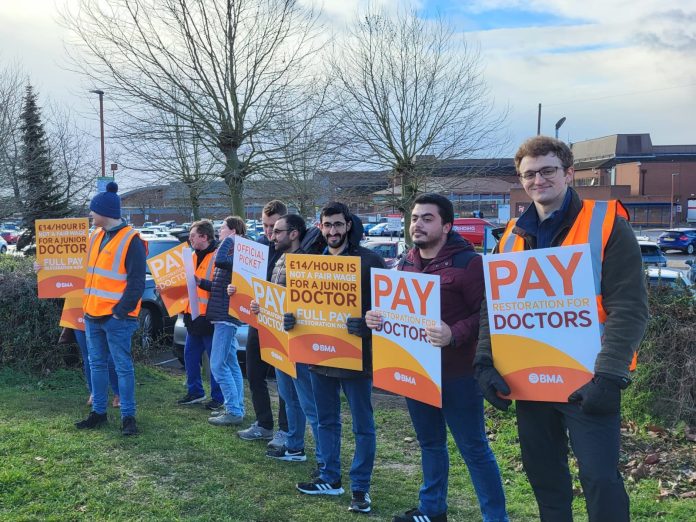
x,y
542,311
324,291
403,360
169,273
72,315
61,251
273,339
191,286
250,260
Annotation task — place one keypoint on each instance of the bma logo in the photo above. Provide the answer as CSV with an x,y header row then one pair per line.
x,y
398,376
323,348
545,378
64,285
276,356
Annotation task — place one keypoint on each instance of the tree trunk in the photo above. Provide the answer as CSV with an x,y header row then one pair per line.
x,y
409,191
194,198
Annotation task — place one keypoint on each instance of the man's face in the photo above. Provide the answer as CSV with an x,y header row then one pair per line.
x,y
426,228
335,230
545,191
97,219
280,236
198,241
268,223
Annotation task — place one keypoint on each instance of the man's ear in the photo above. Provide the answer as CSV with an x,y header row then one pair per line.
x,y
349,225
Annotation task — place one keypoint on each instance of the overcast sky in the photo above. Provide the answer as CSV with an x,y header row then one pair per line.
x,y
608,66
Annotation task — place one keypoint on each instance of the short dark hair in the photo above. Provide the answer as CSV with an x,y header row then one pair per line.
x,y
204,227
541,146
334,207
295,222
444,205
275,206
237,224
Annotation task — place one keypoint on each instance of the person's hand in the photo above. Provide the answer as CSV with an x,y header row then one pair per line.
x,y
198,280
439,335
600,396
357,326
254,307
373,319
289,321
492,383
231,290
37,267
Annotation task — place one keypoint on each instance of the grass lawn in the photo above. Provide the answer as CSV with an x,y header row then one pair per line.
x,y
181,468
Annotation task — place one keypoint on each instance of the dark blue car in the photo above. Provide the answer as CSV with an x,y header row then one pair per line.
x,y
682,239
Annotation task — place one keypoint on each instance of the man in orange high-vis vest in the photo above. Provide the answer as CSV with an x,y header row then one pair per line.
x,y
591,418
199,331
114,286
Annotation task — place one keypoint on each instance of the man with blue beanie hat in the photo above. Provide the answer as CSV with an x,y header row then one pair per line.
x,y
114,285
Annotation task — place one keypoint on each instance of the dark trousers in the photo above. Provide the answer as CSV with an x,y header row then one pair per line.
x,y
257,371
543,429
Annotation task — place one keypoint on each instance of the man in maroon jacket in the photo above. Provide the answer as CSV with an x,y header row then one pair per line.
x,y
438,250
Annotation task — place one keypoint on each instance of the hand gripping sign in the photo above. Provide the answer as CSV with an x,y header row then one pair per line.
x,y
61,250
403,359
542,312
250,259
273,339
324,291
169,273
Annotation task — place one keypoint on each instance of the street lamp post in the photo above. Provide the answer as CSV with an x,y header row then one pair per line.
x,y
101,122
671,201
558,125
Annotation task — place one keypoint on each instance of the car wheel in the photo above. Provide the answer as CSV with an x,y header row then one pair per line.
x,y
690,249
3,249
150,328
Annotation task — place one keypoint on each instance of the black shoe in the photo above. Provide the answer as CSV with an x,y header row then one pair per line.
x,y
286,454
94,420
213,405
320,487
360,503
190,399
128,426
415,515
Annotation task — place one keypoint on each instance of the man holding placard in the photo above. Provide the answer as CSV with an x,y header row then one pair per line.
x,y
440,251
545,308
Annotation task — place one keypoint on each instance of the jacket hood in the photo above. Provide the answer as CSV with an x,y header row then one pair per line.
x,y
356,231
313,241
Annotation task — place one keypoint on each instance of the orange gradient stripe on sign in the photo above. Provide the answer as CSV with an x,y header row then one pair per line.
x,y
72,315
61,251
323,292
272,337
169,273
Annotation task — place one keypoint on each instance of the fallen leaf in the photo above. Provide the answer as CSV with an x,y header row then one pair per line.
x,y
653,458
409,439
690,434
688,494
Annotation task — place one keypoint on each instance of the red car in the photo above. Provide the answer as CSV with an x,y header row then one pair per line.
x,y
10,236
472,229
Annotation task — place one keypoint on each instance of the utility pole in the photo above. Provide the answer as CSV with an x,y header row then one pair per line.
x,y
101,122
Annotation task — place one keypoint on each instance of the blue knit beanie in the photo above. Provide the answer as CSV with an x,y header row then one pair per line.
x,y
107,203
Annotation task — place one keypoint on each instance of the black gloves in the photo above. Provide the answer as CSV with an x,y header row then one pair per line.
x,y
600,396
288,321
357,326
490,382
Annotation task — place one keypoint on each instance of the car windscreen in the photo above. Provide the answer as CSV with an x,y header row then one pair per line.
x,y
384,250
649,250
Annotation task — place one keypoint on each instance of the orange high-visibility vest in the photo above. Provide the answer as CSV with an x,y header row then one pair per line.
x,y
203,271
106,276
593,225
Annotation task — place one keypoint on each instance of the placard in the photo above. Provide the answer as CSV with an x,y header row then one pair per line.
x,y
73,315
61,251
169,273
191,286
250,259
273,339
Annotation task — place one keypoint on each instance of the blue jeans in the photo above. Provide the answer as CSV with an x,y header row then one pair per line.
x,y
112,336
194,348
328,401
305,394
462,411
225,368
297,422
81,339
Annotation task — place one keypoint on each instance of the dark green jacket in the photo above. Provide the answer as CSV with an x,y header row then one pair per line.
x,y
624,295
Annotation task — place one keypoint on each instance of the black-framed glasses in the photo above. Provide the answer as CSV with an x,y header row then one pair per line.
x,y
338,225
546,173
277,231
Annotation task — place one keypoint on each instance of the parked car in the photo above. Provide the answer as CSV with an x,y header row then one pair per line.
x,y
3,246
692,270
682,239
180,341
668,278
382,229
391,251
652,255
472,229
10,236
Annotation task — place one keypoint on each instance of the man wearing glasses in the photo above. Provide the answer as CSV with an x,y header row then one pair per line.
x,y
342,232
591,417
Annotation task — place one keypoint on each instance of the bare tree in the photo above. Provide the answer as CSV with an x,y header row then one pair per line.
x,y
239,65
411,88
12,82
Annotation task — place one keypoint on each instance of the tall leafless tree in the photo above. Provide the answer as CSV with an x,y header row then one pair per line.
x,y
12,81
411,88
239,65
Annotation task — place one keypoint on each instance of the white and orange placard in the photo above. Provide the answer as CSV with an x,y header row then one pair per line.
x,y
250,259
61,251
323,292
542,312
168,271
403,361
273,339
72,315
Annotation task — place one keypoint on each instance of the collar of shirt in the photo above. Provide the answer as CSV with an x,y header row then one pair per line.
x,y
543,231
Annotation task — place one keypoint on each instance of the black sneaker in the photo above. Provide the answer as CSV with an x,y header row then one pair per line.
x,y
415,515
190,399
320,487
213,405
128,426
93,420
287,455
360,503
